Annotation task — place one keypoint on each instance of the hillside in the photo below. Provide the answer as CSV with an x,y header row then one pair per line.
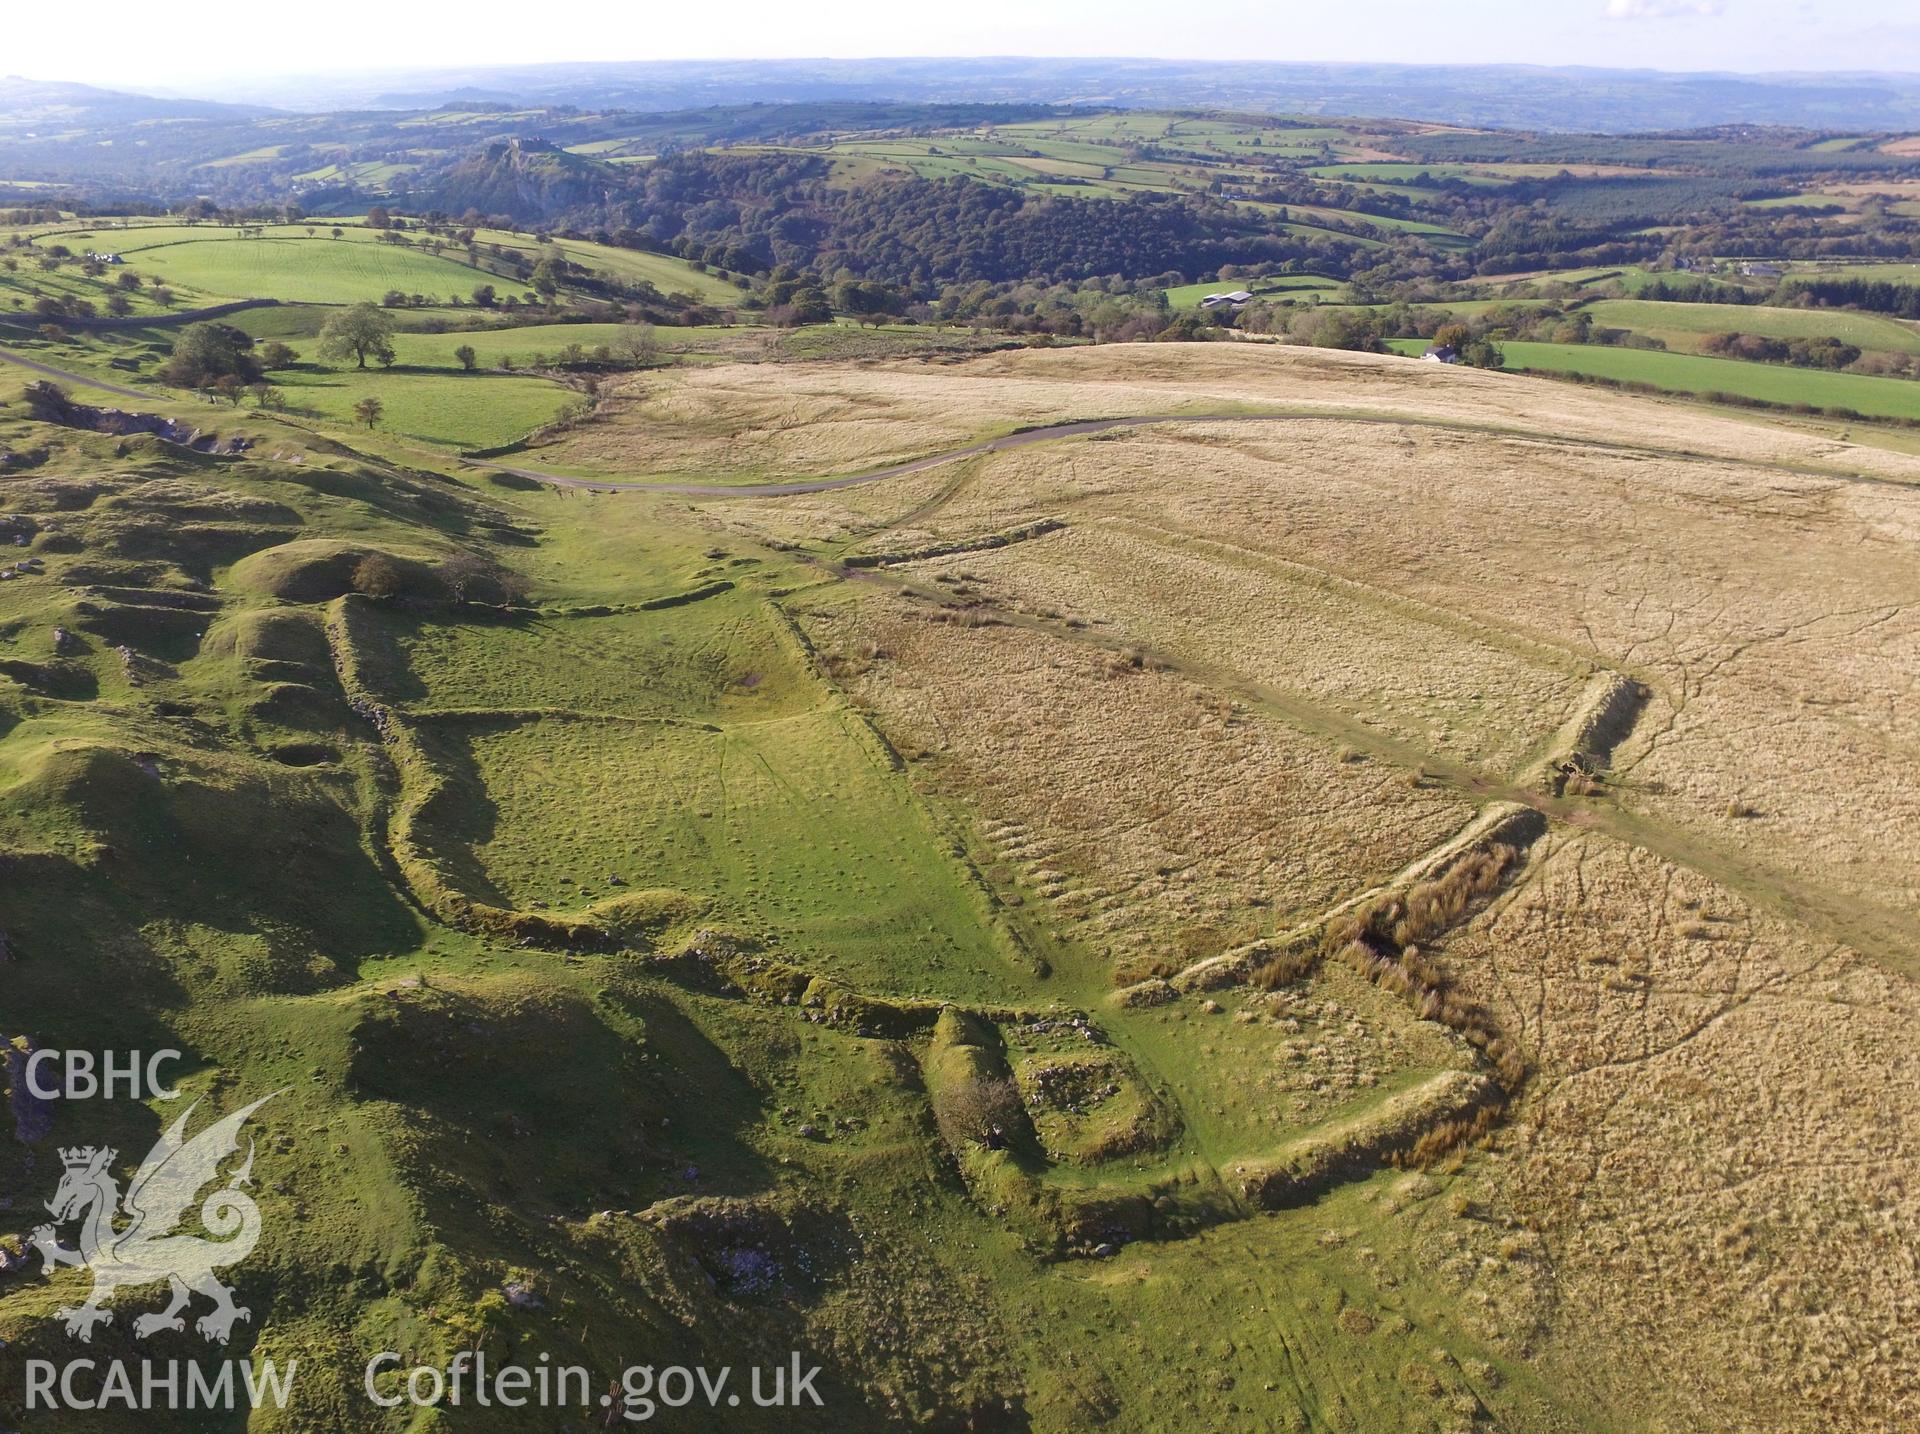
x,y
1320,909
1581,98
1038,746
524,179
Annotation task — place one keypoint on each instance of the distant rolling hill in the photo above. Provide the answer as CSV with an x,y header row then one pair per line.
x,y
26,105
1568,99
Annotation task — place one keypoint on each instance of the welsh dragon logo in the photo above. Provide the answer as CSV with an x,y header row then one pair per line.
x,y
148,1250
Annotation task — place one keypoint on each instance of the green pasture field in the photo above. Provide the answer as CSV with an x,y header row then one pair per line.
x,y
1682,325
1098,150
1083,169
1412,193
1223,138
722,774
666,272
1687,373
1848,202
372,172
535,344
598,147
446,408
1891,273
1320,231
90,232
262,155
522,345
451,410
1398,171
1394,222
290,266
1463,308
20,287
960,157
1628,277
1383,226
294,322
459,119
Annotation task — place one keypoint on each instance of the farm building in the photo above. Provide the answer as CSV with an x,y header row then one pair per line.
x,y
1235,299
1444,353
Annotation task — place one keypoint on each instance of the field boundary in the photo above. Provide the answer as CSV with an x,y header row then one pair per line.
x,y
154,321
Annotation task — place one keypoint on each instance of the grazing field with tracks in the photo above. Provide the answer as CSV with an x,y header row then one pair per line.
x,y
318,270
1321,909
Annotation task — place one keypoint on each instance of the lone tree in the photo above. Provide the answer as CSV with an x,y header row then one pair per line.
x,y
369,410
359,333
1483,353
639,344
206,353
468,356
546,279
474,579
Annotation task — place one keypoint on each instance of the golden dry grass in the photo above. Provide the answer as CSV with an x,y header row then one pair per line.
x,y
803,420
1452,589
1718,1151
1405,673
1263,666
1150,821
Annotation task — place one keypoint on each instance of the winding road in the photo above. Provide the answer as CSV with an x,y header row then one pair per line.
x,y
1045,434
1021,439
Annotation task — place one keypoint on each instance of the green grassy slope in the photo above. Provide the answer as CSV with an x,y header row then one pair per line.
x,y
1687,373
1672,321
1773,384
302,270
667,273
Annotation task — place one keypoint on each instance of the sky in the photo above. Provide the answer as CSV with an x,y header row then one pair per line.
x,y
135,44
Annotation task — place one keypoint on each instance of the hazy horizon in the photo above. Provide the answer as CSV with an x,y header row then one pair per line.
x,y
223,42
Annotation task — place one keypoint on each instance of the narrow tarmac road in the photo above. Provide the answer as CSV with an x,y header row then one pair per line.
x,y
8,356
